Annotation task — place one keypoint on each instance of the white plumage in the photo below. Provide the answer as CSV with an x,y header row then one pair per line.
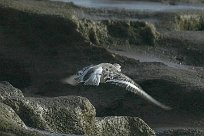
x,y
95,77
110,73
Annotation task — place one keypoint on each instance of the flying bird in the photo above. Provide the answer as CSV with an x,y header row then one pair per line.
x,y
110,73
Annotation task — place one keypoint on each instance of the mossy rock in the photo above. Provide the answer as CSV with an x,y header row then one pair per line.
x,y
132,32
94,31
190,22
118,32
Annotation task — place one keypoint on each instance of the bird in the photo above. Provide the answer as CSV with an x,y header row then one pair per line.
x,y
110,73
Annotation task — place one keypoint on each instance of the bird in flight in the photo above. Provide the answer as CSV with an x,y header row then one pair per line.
x,y
110,73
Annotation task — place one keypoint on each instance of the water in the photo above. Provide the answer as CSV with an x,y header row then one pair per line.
x,y
134,5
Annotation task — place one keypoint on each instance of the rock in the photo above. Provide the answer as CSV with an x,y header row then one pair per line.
x,y
129,126
71,114
12,125
7,91
133,32
94,31
74,115
9,119
64,114
118,33
67,115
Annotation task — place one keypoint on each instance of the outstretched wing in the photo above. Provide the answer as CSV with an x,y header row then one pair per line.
x,y
124,81
79,77
93,76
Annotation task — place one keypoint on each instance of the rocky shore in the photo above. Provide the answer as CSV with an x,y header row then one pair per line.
x,y
41,42
60,115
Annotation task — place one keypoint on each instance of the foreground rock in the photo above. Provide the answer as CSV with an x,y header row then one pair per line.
x,y
9,119
130,126
7,91
67,115
10,123
71,114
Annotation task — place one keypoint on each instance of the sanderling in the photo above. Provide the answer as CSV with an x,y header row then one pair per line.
x,y
110,73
